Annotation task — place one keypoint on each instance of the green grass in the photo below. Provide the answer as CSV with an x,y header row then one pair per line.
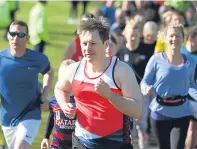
x,y
60,35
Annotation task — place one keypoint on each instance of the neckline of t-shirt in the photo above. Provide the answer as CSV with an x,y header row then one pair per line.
x,y
180,66
16,57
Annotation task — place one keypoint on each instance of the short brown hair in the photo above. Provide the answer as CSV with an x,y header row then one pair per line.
x,y
99,24
21,23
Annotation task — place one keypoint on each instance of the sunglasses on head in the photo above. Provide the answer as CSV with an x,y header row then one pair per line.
x,y
19,34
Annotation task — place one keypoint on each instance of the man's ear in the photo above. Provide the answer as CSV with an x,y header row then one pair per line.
x,y
7,35
27,38
106,44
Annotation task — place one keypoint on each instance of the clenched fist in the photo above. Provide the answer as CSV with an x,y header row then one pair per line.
x,y
102,88
69,110
148,90
45,104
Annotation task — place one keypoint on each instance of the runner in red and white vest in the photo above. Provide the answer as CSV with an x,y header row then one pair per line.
x,y
105,91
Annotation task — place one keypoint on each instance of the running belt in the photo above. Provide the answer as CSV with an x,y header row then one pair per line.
x,y
171,101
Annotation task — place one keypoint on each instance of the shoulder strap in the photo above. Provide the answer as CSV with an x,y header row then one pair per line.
x,y
113,73
77,69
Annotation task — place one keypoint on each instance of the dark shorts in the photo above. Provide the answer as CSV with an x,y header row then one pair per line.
x,y
193,118
56,147
77,145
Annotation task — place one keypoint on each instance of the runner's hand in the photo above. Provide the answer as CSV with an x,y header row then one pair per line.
x,y
148,90
102,88
69,110
45,144
45,104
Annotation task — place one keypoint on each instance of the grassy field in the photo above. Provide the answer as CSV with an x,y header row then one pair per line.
x,y
60,34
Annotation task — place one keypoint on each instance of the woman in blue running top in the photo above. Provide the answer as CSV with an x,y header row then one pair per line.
x,y
170,76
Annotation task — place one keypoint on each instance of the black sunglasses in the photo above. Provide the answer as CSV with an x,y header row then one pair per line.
x,y
19,34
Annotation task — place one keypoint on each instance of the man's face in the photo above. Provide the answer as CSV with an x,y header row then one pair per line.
x,y
132,36
92,47
149,36
17,42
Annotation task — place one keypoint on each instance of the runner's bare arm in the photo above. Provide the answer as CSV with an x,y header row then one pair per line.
x,y
47,83
63,85
131,102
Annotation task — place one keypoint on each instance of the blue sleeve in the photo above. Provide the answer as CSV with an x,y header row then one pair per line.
x,y
149,74
104,11
45,64
193,87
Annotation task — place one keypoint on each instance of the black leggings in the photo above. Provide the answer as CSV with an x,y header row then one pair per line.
x,y
148,129
171,134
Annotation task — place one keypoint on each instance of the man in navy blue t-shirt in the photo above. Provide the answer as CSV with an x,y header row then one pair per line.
x,y
21,97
